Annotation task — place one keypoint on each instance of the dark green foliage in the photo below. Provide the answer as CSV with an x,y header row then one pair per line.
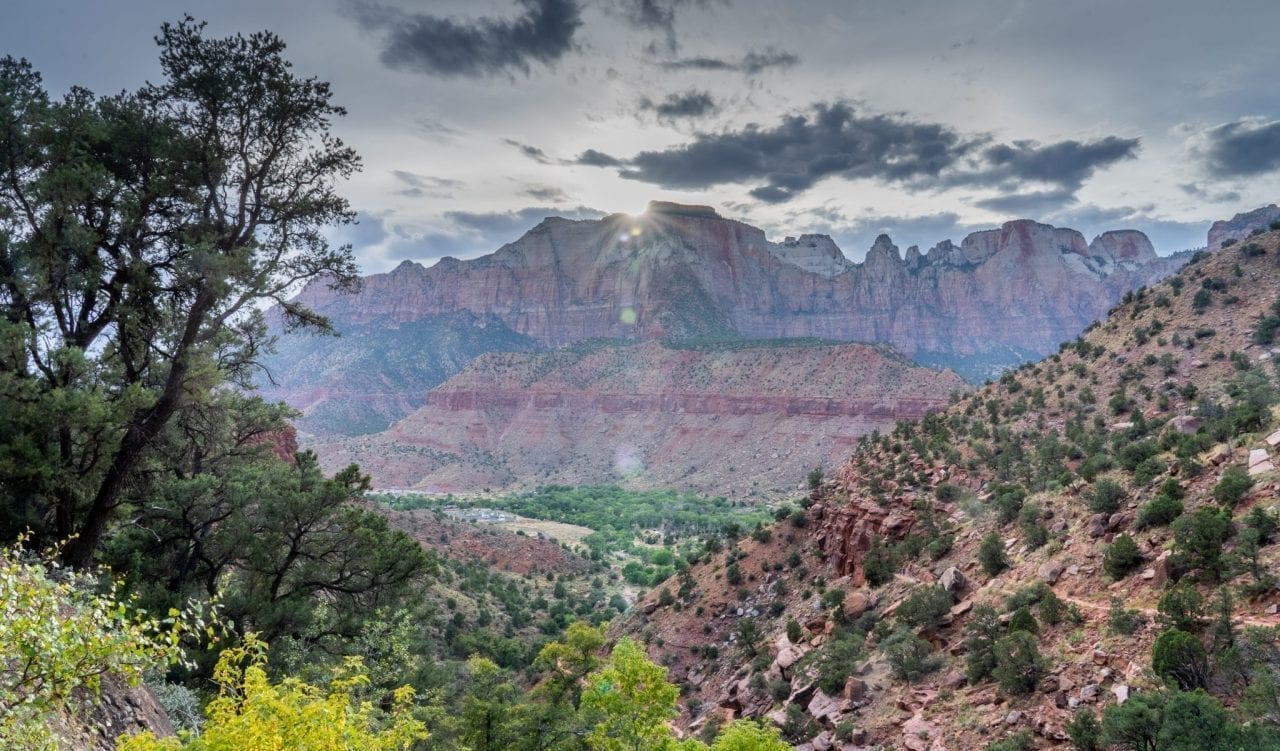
x,y
1034,533
836,661
1121,620
733,574
925,608
1052,608
877,564
1158,512
1022,620
1022,740
910,657
1121,557
143,234
991,554
1198,539
1232,486
795,631
1106,497
981,634
1182,607
1179,656
815,478
1084,730
1008,500
1019,665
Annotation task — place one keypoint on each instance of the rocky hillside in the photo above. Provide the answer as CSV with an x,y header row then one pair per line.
x,y
747,419
988,576
997,298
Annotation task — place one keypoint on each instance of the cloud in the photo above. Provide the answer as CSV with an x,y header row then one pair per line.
x,y
593,158
656,15
1031,204
533,152
688,104
803,149
434,130
424,186
837,140
1066,164
1241,149
752,63
542,33
547,193
1205,194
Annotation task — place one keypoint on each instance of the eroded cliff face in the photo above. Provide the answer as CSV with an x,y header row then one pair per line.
x,y
669,273
1242,225
743,419
1000,297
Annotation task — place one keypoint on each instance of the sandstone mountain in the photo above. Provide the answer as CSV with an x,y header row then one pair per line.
x,y
747,418
1077,508
679,273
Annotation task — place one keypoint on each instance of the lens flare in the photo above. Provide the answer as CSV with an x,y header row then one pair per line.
x,y
628,315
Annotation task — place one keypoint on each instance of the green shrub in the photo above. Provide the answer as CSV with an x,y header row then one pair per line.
x,y
1180,657
1121,620
1084,730
1052,609
1121,557
1182,607
836,661
1106,497
991,554
1232,486
925,608
877,564
1161,510
1198,538
794,631
1019,665
981,634
1019,741
910,657
1022,620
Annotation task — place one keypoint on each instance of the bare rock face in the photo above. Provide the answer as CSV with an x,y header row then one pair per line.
x,y
683,272
739,418
1240,226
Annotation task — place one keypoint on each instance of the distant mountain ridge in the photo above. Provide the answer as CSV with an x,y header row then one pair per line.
x,y
679,272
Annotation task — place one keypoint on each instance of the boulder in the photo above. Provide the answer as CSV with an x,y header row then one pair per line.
x,y
1051,571
1097,525
953,580
824,708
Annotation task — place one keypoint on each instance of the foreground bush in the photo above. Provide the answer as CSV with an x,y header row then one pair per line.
x,y
58,638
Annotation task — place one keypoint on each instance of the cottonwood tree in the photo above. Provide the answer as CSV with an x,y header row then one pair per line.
x,y
141,235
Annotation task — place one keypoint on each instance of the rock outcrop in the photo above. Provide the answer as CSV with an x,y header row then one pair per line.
x,y
678,272
735,418
1241,226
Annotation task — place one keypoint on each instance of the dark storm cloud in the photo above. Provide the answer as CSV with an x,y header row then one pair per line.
x,y
751,63
1243,148
542,33
533,152
593,158
803,149
837,140
689,104
1066,164
424,186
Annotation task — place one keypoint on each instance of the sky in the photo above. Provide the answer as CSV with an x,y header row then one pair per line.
x,y
922,119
